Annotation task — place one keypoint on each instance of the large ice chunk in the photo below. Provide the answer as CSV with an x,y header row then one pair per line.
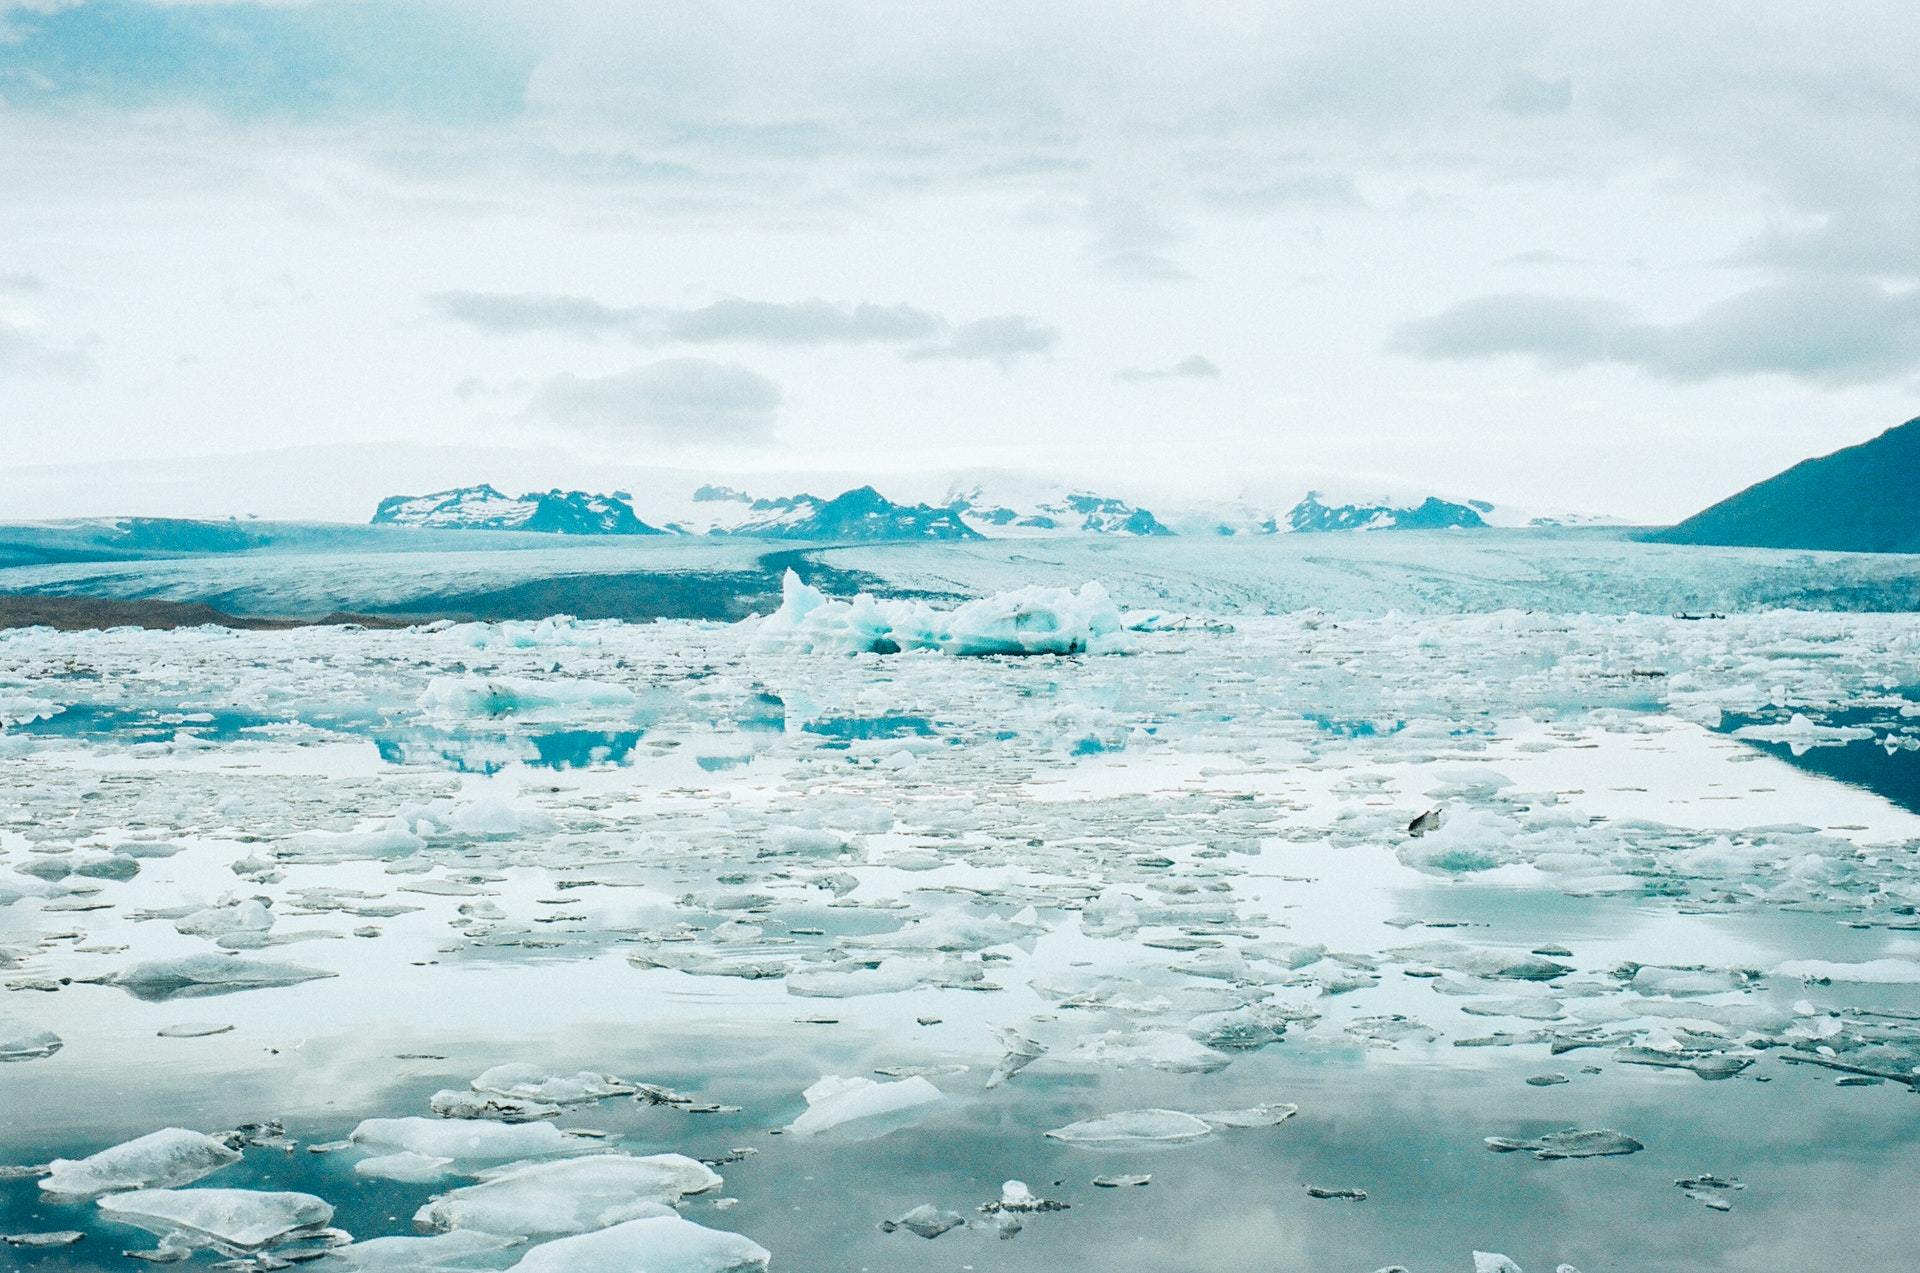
x,y
660,1244
25,1041
462,1140
170,1156
531,1083
238,1219
572,1195
513,695
1025,621
836,1101
1134,1127
194,975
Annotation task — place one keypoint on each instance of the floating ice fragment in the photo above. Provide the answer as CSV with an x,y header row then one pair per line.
x,y
465,1141
24,1041
926,1220
1493,1262
194,975
193,1030
170,1156
1020,1053
239,1219
461,1249
1878,972
658,1244
454,1103
1134,1127
43,1241
1572,1143
512,695
836,1101
1252,1116
572,1195
1350,1195
1123,1181
530,1083
405,1166
1027,621
1713,1192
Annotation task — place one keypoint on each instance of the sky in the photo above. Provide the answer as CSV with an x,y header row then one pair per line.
x,y
1617,259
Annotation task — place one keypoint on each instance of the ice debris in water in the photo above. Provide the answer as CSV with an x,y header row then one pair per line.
x,y
530,1083
233,1219
1134,1126
458,1250
471,695
658,1244
1572,1143
170,1156
195,975
836,1101
925,1220
1030,620
24,1041
467,1142
48,1240
571,1195
1714,1192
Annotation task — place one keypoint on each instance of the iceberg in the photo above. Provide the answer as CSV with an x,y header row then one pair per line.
x,y
472,695
1030,620
24,1041
571,1195
466,1141
195,975
236,1219
530,1083
835,1101
170,1156
1135,1127
658,1244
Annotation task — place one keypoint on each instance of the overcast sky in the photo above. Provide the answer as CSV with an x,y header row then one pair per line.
x,y
1620,258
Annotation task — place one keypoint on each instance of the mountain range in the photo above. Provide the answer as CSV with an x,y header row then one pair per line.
x,y
864,514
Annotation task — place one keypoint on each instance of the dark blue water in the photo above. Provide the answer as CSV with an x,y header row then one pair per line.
x,y
1865,763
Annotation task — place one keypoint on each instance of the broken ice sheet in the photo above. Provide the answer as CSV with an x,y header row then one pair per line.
x,y
170,1156
198,975
570,1195
231,1219
861,1106
1572,1143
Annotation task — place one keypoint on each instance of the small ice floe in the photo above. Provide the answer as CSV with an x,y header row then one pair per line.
x,y
25,1041
1707,1064
233,1220
170,1156
467,1142
1135,1127
1801,734
1713,1192
1572,1143
49,1240
1348,1195
406,1167
1425,822
925,1220
571,1195
658,1244
453,1102
861,1105
1015,1196
196,975
1021,1052
1026,621
1251,1116
1123,1181
530,1083
193,1030
460,1249
470,695
1871,972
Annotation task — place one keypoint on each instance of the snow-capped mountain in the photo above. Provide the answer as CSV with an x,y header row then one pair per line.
x,y
1314,514
1003,513
484,508
859,514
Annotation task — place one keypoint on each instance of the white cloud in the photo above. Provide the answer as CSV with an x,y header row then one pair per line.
x,y
676,399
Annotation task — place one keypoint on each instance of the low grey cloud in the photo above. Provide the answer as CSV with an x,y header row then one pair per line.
x,y
1827,331
731,320
21,282
1002,340
1192,367
675,399
1524,93
24,350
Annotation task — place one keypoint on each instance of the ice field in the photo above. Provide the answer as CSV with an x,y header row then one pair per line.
x,y
1497,910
